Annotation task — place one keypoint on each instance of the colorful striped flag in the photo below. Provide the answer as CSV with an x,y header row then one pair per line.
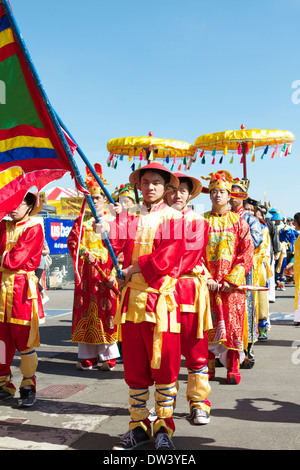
x,y
28,137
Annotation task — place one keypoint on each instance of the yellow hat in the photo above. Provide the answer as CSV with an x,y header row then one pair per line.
x,y
91,183
221,179
243,184
125,190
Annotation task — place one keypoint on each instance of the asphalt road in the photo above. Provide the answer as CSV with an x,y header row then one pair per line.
x,y
88,410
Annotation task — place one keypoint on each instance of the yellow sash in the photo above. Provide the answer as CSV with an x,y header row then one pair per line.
x,y
166,303
6,301
202,302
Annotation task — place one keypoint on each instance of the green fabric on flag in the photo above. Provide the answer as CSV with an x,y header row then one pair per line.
x,y
19,108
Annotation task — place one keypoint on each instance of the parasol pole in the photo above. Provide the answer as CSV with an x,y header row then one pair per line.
x,y
56,125
244,163
244,156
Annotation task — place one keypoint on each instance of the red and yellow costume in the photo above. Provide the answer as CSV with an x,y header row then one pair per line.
x,y
195,313
229,257
149,312
194,304
95,304
21,309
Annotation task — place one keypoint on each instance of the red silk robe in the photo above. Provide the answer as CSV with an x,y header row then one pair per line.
x,y
229,257
155,240
95,304
21,246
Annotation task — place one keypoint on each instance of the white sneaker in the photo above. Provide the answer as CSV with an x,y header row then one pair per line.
x,y
45,299
199,416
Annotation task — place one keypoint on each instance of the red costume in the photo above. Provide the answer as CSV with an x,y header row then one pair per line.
x,y
21,309
95,304
195,311
149,309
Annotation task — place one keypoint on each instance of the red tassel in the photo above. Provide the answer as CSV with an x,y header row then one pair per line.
x,y
239,149
213,161
201,154
179,168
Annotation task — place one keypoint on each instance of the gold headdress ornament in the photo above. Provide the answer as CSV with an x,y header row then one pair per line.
x,y
124,190
221,179
90,181
243,184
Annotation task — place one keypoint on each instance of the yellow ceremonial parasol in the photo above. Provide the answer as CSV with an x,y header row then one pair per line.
x,y
244,142
149,148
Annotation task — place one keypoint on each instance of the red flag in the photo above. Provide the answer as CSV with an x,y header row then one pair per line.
x,y
28,137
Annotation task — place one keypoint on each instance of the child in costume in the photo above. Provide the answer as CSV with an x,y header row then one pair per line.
x,y
21,310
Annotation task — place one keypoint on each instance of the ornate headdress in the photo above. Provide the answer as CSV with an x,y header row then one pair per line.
x,y
91,183
221,179
124,190
243,184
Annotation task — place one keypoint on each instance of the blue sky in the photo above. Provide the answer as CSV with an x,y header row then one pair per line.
x,y
177,68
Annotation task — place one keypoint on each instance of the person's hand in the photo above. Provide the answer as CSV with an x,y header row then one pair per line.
x,y
115,209
227,287
101,227
276,256
111,282
91,258
212,285
127,273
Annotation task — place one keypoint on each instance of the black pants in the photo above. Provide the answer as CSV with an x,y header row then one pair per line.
x,y
39,273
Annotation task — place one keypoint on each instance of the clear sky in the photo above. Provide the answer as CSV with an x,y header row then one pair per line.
x,y
178,68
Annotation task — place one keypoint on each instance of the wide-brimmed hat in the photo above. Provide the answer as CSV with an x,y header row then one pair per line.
x,y
277,216
134,177
38,204
197,185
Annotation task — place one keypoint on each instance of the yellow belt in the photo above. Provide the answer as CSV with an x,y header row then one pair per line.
x,y
202,302
166,303
6,301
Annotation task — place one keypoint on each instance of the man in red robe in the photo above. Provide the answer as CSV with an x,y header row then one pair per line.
x,y
95,303
152,241
229,257
194,299
21,310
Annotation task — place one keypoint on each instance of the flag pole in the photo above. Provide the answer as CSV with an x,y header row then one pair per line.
x,y
87,162
57,127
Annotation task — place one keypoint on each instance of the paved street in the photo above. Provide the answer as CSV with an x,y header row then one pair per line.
x,y
88,410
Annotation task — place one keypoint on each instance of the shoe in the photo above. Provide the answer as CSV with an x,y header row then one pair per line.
x,y
132,439
27,398
5,394
262,334
152,415
45,299
233,378
86,365
198,416
163,440
108,365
